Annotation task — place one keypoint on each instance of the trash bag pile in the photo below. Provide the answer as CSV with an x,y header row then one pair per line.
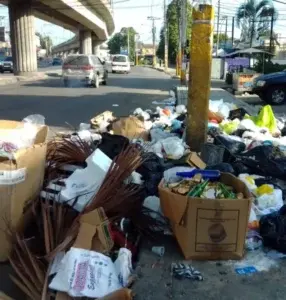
x,y
97,191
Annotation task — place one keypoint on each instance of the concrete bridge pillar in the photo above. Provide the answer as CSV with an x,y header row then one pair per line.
x,y
23,37
85,42
95,47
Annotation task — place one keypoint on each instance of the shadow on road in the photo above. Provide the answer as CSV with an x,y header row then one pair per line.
x,y
53,74
60,110
116,81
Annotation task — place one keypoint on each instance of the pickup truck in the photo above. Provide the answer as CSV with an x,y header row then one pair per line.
x,y
271,87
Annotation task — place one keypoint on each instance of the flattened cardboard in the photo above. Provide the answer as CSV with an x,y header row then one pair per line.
x,y
209,229
195,161
130,127
94,233
14,197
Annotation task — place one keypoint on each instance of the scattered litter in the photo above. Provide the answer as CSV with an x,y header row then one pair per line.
x,y
160,251
246,270
185,271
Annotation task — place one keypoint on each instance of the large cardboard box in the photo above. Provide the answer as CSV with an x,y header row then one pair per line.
x,y
208,229
20,181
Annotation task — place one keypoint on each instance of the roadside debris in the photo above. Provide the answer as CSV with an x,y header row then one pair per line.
x,y
86,199
185,271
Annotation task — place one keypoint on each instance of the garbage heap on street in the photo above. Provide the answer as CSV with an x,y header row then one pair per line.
x,y
74,209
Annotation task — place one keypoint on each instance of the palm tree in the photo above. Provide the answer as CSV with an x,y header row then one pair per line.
x,y
255,17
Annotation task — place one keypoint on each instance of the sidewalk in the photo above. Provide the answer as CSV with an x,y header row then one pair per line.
x,y
11,79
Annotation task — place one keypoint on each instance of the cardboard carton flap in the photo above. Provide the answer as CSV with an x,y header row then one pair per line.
x,y
173,208
41,134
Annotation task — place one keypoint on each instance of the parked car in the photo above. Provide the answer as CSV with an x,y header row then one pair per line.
x,y
271,87
57,61
88,69
7,65
121,64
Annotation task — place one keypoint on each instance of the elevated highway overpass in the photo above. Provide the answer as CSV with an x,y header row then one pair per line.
x,y
90,20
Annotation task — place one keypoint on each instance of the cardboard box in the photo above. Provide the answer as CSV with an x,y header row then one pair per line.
x,y
20,181
195,161
131,128
208,229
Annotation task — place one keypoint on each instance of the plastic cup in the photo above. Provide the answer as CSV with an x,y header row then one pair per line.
x,y
160,251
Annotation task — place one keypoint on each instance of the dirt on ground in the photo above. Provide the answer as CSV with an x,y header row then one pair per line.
x,y
220,282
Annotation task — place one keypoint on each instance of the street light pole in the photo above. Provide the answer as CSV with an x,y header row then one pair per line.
x,y
217,31
128,42
166,54
153,19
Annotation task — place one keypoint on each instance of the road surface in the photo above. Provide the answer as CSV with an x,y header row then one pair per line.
x,y
61,105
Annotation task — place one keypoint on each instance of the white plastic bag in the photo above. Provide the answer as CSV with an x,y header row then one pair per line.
x,y
35,119
85,273
174,147
85,183
268,203
181,109
123,266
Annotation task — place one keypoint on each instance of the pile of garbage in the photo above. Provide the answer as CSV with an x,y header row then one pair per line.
x,y
86,198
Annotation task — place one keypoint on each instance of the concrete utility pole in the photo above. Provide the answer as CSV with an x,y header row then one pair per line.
x,y
217,30
153,19
128,42
271,33
179,54
232,31
166,47
200,69
184,13
226,25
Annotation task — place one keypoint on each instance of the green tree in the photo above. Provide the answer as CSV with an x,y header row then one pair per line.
x,y
173,30
161,46
254,17
46,42
120,41
222,37
115,43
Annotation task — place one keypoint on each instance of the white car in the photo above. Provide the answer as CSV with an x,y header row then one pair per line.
x,y
120,64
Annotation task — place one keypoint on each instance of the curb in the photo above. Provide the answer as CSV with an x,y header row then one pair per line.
x,y
163,71
15,79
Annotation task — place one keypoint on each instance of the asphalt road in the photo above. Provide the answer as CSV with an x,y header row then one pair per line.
x,y
74,105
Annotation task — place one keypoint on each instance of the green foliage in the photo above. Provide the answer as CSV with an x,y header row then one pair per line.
x,y
269,67
254,18
222,37
173,30
46,42
120,40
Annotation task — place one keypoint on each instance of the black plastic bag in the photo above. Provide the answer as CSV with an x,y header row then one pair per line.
x,y
152,171
237,114
223,167
266,161
112,144
232,147
273,230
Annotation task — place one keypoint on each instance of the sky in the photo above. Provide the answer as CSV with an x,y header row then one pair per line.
x,y
134,13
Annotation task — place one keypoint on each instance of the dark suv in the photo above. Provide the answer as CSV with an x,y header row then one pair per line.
x,y
7,65
271,87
